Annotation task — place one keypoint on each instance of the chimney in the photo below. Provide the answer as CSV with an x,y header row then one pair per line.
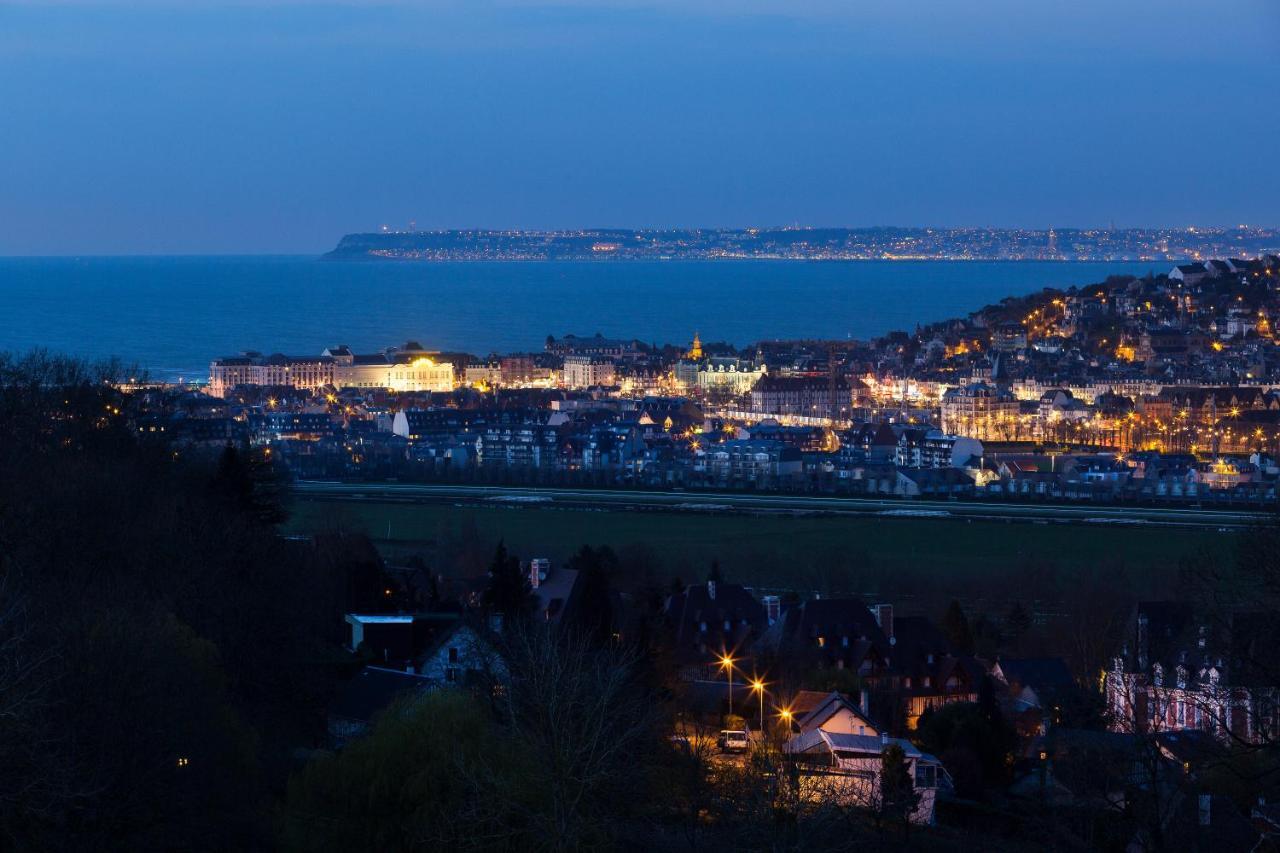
x,y
1142,642
772,607
711,590
1205,813
864,702
884,739
539,568
884,618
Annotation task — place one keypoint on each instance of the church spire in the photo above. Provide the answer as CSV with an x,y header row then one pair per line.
x,y
695,351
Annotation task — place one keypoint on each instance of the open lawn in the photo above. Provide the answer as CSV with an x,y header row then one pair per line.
x,y
828,554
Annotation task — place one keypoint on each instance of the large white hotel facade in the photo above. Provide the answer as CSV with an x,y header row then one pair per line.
x,y
404,368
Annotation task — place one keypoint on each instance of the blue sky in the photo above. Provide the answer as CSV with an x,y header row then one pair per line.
x,y
158,126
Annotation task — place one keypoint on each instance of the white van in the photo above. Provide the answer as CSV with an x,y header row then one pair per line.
x,y
734,740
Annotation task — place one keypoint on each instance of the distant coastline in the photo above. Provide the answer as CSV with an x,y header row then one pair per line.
x,y
1156,245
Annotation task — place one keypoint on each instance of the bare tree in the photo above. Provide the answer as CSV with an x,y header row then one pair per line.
x,y
580,713
36,776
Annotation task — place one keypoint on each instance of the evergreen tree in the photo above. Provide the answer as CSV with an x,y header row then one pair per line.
x,y
593,609
508,592
955,625
1017,622
898,797
250,482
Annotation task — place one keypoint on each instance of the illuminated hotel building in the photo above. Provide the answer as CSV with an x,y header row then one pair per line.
x,y
404,368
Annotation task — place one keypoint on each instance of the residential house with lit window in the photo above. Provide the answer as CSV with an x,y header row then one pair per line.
x,y
904,662
711,620
1183,669
846,769
833,712
834,633
929,673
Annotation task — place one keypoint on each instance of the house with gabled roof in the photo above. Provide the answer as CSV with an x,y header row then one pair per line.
x,y
1030,688
847,768
1189,274
833,712
463,655
833,633
709,620
930,674
1182,669
904,663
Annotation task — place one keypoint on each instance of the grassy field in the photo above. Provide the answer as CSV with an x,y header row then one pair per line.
x,y
827,554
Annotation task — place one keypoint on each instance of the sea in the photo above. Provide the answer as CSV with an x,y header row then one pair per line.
x,y
170,316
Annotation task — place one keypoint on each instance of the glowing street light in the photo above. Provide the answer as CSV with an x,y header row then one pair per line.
x,y
727,663
758,686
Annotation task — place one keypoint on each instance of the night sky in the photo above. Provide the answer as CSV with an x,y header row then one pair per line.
x,y
159,126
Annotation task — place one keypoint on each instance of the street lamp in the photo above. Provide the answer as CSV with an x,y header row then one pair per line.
x,y
786,716
727,663
758,687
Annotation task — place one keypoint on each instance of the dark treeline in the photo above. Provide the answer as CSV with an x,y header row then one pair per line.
x,y
162,647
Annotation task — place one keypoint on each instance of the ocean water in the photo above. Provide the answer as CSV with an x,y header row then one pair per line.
x,y
173,315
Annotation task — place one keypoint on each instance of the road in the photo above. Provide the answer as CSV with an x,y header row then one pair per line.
x,y
720,502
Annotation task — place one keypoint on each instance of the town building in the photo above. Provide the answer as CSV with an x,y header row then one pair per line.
x,y
711,620
759,461
847,769
407,368
727,377
806,396
588,371
1181,669
981,410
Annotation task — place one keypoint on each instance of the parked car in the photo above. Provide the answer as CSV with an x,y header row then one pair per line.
x,y
733,740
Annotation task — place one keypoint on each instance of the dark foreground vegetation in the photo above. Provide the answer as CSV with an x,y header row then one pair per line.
x,y
167,659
